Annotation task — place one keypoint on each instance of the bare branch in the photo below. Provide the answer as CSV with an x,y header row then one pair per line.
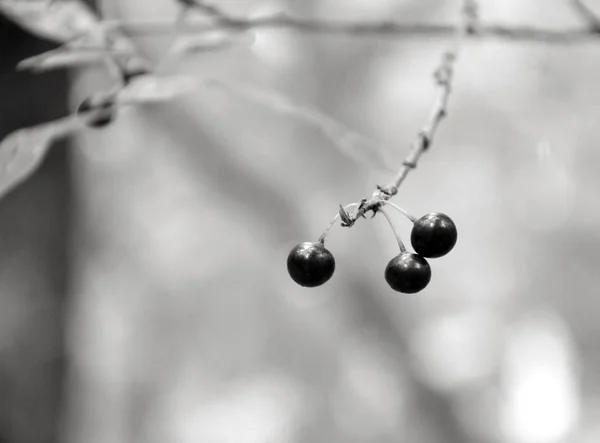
x,y
589,16
205,8
443,77
388,29
348,141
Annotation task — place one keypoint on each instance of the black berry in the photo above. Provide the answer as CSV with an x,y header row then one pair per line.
x,y
104,113
310,264
408,273
433,235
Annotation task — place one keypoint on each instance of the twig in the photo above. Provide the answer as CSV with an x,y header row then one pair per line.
x,y
205,8
348,141
382,29
443,76
589,16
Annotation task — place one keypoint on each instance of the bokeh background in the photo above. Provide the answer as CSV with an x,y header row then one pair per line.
x,y
144,295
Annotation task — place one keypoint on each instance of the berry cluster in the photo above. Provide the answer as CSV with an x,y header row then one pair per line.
x,y
434,235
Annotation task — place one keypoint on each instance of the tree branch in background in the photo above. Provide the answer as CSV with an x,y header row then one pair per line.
x,y
589,16
204,8
348,141
391,29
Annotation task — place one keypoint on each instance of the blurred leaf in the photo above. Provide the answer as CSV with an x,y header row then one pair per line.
x,y
192,44
56,20
68,57
71,22
186,3
349,142
22,151
154,88
202,6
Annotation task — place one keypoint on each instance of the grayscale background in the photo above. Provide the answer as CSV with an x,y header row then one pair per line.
x,y
144,295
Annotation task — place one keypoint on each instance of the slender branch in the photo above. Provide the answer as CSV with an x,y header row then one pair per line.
x,y
589,16
205,8
348,141
382,29
443,76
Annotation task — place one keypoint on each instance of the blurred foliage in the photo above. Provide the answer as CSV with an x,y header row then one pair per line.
x,y
183,324
34,225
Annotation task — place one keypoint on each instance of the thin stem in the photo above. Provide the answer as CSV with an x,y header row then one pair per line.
x,y
589,16
333,220
443,77
347,140
411,217
389,220
425,136
208,9
382,29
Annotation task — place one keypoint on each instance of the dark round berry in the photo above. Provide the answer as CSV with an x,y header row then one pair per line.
x,y
104,113
433,235
310,264
408,273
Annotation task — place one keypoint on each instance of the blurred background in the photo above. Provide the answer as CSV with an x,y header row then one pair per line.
x,y
144,295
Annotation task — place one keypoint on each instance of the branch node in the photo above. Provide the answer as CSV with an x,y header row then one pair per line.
x,y
588,15
347,220
471,15
425,140
443,76
363,207
387,191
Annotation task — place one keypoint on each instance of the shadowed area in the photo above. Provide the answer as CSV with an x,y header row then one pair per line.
x,y
34,226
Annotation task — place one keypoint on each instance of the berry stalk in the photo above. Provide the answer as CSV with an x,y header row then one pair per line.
x,y
343,210
403,211
398,239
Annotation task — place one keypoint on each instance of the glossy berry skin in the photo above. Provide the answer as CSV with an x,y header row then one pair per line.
x,y
433,235
310,264
408,273
105,113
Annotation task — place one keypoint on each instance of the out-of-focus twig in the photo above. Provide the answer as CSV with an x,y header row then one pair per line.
x,y
348,141
589,16
205,8
389,29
